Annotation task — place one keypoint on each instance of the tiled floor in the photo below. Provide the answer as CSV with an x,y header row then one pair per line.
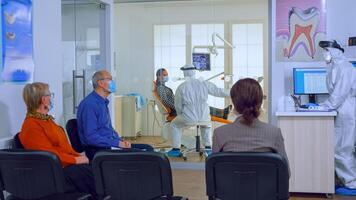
x,y
191,184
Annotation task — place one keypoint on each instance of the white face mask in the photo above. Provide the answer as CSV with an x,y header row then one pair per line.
x,y
327,56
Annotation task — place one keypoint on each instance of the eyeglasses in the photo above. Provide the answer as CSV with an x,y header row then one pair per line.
x,y
49,95
106,79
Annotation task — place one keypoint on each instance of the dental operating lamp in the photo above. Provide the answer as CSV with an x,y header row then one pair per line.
x,y
213,49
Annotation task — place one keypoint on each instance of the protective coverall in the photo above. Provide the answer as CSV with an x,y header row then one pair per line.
x,y
341,84
191,105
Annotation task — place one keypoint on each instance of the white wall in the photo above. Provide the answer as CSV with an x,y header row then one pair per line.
x,y
48,67
340,25
133,35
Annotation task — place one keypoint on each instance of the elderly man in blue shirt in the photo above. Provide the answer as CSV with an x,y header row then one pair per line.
x,y
94,123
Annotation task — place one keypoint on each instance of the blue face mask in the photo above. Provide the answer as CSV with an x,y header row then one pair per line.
x,y
51,103
112,86
165,79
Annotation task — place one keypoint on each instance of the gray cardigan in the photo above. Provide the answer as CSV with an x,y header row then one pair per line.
x,y
259,137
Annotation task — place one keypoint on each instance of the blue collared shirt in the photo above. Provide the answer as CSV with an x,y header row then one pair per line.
x,y
94,123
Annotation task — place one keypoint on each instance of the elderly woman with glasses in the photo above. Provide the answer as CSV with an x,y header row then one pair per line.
x,y
40,132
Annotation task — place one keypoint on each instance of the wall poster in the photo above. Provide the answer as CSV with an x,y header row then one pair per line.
x,y
17,64
300,25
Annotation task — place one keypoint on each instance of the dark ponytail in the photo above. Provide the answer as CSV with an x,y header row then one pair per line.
x,y
247,95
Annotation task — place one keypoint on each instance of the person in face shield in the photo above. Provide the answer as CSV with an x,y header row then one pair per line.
x,y
167,96
191,106
341,84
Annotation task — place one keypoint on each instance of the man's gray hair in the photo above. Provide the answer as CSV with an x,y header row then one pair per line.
x,y
99,75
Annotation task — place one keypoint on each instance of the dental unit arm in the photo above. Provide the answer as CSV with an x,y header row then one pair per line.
x,y
213,48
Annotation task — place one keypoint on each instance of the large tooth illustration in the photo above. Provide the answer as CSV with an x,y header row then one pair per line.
x,y
302,27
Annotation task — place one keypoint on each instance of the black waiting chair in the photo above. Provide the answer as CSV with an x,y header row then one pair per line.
x,y
16,143
2,197
133,175
36,175
72,130
245,175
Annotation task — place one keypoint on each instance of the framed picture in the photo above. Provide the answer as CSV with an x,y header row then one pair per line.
x,y
17,64
300,25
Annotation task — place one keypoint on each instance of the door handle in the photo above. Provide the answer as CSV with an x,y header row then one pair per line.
x,y
75,77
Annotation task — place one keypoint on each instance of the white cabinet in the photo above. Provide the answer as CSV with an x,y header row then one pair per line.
x,y
127,116
309,143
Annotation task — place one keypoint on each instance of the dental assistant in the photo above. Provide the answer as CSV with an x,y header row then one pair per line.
x,y
341,84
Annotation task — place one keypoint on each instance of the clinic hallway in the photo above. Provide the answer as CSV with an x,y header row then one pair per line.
x,y
191,184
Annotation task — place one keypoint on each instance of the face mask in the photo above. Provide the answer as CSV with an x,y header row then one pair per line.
x,y
327,56
112,86
51,103
165,79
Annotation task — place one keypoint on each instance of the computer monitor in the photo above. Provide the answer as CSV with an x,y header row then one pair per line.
x,y
201,61
353,63
309,81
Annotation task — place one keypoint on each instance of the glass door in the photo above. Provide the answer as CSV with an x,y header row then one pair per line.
x,y
84,44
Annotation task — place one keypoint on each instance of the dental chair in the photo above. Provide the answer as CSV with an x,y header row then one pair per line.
x,y
165,112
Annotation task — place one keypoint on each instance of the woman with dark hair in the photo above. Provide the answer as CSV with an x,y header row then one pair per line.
x,y
247,133
165,93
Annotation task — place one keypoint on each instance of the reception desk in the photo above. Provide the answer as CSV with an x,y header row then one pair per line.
x,y
309,142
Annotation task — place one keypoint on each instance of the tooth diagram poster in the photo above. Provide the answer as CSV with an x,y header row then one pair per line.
x,y
17,64
300,25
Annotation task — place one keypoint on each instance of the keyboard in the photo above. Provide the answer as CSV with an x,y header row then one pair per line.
x,y
313,108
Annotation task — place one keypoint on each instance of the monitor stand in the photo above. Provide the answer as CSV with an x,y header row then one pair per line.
x,y
312,98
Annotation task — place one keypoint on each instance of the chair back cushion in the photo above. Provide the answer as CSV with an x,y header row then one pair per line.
x,y
132,175
16,142
73,134
253,176
30,174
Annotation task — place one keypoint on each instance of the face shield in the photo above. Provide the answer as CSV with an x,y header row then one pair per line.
x,y
331,50
330,44
188,70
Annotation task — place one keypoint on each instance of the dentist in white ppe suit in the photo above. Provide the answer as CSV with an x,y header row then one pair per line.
x,y
191,105
341,84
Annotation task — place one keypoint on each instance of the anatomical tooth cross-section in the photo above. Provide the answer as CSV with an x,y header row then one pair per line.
x,y
302,27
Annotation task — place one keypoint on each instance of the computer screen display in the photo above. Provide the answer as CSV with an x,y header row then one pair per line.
x,y
201,61
309,81
353,63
